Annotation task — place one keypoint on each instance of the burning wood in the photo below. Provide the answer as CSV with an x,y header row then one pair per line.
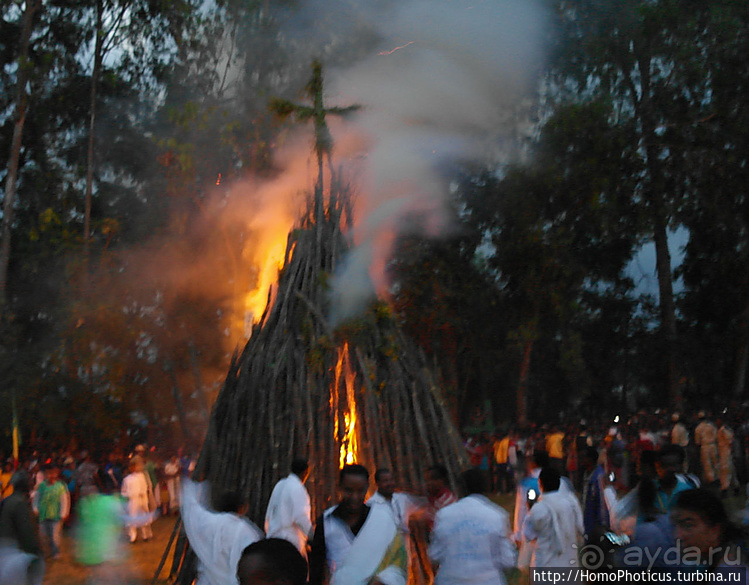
x,y
346,432
360,393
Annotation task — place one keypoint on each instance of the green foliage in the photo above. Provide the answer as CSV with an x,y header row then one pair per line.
x,y
454,312
319,353
375,323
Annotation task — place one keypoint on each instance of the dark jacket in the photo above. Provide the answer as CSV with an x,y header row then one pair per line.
x,y
17,523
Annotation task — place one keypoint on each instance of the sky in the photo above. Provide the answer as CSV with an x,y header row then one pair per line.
x,y
642,267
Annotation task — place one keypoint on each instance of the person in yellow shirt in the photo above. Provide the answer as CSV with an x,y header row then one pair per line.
x,y
555,448
6,488
504,473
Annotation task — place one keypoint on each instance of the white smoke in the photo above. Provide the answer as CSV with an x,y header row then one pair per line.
x,y
440,82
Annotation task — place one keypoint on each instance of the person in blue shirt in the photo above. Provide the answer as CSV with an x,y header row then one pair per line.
x,y
595,511
669,463
653,535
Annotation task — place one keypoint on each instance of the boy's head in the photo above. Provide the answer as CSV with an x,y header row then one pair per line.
x,y
52,473
271,561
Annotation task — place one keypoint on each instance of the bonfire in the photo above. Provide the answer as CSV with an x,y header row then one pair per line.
x,y
361,392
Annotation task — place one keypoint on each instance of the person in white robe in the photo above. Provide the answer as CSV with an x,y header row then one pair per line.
x,y
400,504
217,537
471,540
289,511
555,523
354,543
136,488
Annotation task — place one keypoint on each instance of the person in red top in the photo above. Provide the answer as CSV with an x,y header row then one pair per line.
x,y
438,490
645,442
473,450
421,522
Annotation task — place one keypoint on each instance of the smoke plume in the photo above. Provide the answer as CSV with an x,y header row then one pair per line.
x,y
440,82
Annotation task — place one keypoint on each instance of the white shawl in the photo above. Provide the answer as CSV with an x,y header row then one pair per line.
x,y
354,561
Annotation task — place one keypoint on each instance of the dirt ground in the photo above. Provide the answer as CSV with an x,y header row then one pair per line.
x,y
137,565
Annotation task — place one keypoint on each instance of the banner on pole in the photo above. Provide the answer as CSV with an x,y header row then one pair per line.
x,y
16,436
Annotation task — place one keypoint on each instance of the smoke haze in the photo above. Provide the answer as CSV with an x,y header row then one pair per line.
x,y
441,82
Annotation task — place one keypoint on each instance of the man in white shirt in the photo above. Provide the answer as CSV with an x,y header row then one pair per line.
x,y
354,543
218,538
555,523
471,538
399,504
288,514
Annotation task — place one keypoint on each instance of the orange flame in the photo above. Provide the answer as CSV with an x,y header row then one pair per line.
x,y
348,435
255,301
269,217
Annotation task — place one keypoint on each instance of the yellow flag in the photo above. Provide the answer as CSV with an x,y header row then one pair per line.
x,y
16,437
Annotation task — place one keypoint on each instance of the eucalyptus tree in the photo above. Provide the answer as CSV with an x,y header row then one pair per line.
x,y
641,56
95,74
133,41
447,303
23,67
559,228
39,44
715,301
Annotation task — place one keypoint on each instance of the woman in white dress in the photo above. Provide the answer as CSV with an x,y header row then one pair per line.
x,y
137,489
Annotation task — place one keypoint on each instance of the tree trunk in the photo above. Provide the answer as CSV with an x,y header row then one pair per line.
x,y
655,194
742,361
19,116
199,381
668,310
186,436
98,57
522,393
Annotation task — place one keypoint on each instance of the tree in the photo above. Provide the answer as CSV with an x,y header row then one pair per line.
x,y
716,262
560,227
448,304
116,27
23,66
632,54
50,214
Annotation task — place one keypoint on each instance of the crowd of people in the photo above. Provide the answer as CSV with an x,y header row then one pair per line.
x,y
648,493
107,495
623,496
716,449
